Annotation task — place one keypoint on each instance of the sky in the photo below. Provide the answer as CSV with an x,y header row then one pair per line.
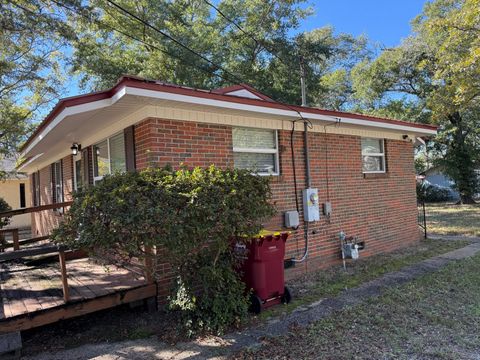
x,y
384,21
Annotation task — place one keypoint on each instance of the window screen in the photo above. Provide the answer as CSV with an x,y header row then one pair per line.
x,y
373,155
255,150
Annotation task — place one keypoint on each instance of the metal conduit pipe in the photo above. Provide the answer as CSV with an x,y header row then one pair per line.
x,y
308,181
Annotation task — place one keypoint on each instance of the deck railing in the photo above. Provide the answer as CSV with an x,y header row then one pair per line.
x,y
19,253
16,243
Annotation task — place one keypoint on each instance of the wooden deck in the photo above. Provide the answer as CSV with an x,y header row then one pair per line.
x,y
32,296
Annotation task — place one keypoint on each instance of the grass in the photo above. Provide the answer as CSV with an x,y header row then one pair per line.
x,y
434,317
448,219
329,282
123,323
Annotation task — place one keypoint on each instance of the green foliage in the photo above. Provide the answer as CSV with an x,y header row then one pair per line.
x,y
427,192
437,72
211,299
191,217
420,164
102,55
4,221
31,34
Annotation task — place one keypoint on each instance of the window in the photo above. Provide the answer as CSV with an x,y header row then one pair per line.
x,y
373,155
77,174
109,157
256,150
22,196
36,188
57,182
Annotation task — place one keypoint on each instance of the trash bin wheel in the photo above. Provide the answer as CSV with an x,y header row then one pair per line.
x,y
287,296
255,304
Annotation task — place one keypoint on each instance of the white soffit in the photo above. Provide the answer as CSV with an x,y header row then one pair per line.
x,y
73,110
213,103
274,111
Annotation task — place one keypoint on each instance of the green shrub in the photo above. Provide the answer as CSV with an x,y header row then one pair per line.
x,y
430,193
4,221
192,217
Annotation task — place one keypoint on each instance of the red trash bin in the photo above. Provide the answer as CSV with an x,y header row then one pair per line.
x,y
263,270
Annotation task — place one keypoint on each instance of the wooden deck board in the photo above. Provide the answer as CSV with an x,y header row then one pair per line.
x,y
26,291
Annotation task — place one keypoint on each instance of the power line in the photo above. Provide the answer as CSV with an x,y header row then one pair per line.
x,y
144,43
257,41
174,40
237,82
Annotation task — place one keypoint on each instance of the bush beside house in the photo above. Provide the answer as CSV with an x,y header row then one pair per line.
x,y
192,218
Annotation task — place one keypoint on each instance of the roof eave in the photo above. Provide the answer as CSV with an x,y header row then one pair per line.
x,y
229,102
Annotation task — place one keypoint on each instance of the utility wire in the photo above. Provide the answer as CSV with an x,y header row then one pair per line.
x,y
129,13
100,24
249,34
238,81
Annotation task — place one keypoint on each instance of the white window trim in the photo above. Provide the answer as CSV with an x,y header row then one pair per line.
x,y
98,178
75,175
382,155
263,151
58,182
59,185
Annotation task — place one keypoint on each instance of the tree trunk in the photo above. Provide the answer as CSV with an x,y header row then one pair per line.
x,y
459,162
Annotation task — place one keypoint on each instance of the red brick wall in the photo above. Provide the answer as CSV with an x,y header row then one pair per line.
x,y
164,142
381,210
161,142
43,222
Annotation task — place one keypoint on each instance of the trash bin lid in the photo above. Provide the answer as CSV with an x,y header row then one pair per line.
x,y
265,234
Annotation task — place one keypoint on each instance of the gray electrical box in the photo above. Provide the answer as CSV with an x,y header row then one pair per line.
x,y
327,208
292,219
311,206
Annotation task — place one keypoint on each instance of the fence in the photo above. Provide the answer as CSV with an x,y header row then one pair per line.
x,y
422,217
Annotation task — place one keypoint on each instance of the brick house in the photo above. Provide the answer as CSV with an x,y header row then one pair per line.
x,y
362,165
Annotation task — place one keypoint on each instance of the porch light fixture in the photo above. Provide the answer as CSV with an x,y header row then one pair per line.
x,y
75,148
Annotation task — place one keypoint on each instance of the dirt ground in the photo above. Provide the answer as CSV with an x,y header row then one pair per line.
x,y
124,323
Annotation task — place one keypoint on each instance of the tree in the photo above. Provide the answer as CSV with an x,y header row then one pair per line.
x,y
31,34
4,221
436,71
115,43
452,29
240,38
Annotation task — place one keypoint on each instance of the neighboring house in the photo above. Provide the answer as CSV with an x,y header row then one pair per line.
x,y
15,190
436,176
362,165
